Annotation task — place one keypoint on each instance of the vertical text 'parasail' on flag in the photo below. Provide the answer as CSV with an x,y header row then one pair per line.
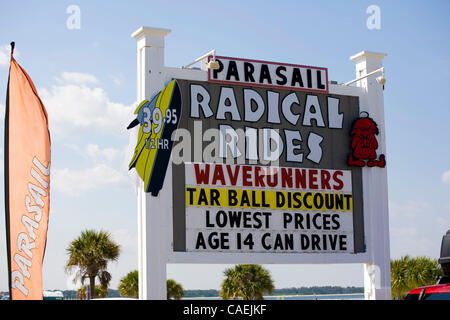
x,y
27,184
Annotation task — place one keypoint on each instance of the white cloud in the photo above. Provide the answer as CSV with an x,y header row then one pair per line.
x,y
73,107
116,80
416,227
77,78
446,177
71,283
404,231
125,239
4,57
97,154
100,155
409,209
76,109
444,222
75,182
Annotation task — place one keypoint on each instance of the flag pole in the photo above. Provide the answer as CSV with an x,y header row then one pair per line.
x,y
6,177
31,159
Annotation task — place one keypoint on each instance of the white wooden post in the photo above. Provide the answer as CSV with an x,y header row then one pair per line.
x,y
377,275
151,214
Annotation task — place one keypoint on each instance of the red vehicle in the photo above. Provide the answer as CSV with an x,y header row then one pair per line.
x,y
441,290
434,292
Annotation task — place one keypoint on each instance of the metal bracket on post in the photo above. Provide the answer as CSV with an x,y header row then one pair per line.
x,y
381,80
213,64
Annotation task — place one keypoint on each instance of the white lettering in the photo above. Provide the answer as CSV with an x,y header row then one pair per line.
x,y
226,132
273,115
29,225
44,170
31,209
200,98
227,104
250,114
334,117
271,154
37,192
314,141
286,106
374,20
74,20
23,244
312,102
17,281
23,264
290,147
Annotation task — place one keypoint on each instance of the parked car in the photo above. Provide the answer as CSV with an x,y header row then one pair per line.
x,y
115,298
441,290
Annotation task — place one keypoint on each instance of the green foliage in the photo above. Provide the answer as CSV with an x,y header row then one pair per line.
x,y
129,285
89,254
100,292
283,291
248,281
408,273
174,290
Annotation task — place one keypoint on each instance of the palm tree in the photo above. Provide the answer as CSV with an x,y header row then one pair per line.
x,y
174,290
399,276
408,273
248,281
426,271
129,285
90,253
100,292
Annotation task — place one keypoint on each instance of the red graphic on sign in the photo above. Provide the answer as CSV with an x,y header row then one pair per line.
x,y
365,144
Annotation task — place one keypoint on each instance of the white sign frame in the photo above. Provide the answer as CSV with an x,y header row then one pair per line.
x,y
155,232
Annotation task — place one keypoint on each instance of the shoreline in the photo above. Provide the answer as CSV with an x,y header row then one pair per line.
x,y
283,296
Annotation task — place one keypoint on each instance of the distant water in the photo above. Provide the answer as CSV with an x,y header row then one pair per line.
x,y
352,296
358,296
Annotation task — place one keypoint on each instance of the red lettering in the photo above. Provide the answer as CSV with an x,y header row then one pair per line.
x,y
218,175
201,175
233,177
300,178
340,183
325,179
286,177
272,178
259,178
313,179
246,176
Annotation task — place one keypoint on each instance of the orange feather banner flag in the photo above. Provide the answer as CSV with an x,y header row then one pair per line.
x,y
27,184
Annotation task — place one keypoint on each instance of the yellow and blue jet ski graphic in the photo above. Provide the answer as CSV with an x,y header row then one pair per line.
x,y
158,119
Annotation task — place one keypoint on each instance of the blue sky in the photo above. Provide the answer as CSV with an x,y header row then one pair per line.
x,y
87,80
